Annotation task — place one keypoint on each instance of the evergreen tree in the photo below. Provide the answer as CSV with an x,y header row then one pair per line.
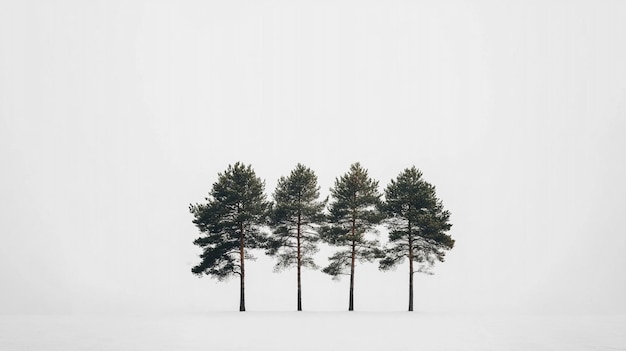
x,y
295,217
229,224
353,213
417,225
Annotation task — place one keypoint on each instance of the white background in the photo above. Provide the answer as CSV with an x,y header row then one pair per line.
x,y
115,115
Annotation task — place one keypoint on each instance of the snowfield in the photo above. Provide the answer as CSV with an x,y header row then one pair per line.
x,y
312,331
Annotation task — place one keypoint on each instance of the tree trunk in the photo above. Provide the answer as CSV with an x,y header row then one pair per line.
x,y
299,268
351,304
242,299
410,269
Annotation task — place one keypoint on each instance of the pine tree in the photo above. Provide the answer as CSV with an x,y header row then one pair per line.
x,y
230,224
295,217
417,225
353,213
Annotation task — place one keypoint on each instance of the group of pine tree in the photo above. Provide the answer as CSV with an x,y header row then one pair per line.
x,y
236,213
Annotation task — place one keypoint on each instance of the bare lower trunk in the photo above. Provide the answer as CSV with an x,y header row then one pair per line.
x,y
410,285
410,269
242,298
299,269
299,292
351,305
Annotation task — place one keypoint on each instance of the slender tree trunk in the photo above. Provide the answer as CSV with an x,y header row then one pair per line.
x,y
351,304
299,268
242,299
410,269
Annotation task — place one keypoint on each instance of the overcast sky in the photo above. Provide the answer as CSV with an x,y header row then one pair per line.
x,y
115,115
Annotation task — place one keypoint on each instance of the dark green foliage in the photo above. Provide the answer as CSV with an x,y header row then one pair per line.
x,y
294,218
230,223
295,213
353,213
417,225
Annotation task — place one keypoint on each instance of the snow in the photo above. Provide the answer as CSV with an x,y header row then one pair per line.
x,y
312,331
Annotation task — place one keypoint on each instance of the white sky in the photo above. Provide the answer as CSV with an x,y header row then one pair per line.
x,y
115,115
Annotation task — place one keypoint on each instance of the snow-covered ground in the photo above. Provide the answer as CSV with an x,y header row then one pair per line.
x,y
312,331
